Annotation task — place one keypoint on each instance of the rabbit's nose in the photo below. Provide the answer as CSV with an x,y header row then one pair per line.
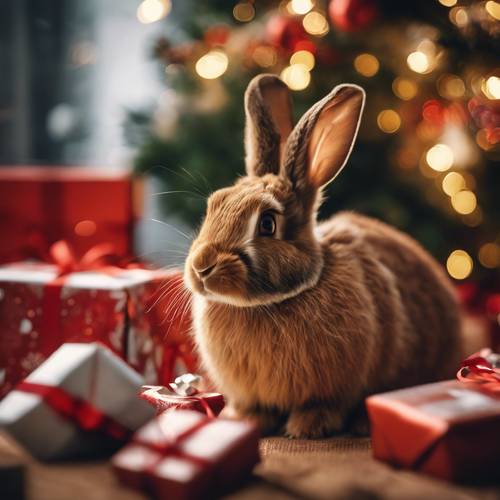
x,y
204,261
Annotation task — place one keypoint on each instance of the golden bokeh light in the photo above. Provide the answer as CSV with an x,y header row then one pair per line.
x,y
301,6
366,65
493,9
303,57
296,76
482,140
464,202
459,264
440,157
150,11
448,3
212,65
491,87
388,121
418,62
489,255
244,12
453,183
404,88
459,17
316,24
265,56
450,86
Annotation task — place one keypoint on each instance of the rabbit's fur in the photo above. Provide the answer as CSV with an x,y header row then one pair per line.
x,y
297,327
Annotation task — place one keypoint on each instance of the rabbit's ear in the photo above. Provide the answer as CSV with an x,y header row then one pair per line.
x,y
268,124
321,143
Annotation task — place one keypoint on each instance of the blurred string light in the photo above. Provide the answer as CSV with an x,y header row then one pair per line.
x,y
150,11
448,3
464,202
212,65
265,56
493,9
316,24
388,121
440,157
404,88
459,17
489,255
450,86
491,87
244,12
303,57
301,6
459,264
296,76
366,65
418,62
452,183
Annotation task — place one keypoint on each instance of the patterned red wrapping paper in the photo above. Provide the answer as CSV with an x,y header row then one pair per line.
x,y
184,455
162,398
447,429
131,311
84,206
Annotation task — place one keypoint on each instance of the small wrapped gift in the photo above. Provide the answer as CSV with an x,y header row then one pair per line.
x,y
183,393
448,429
140,314
183,454
81,401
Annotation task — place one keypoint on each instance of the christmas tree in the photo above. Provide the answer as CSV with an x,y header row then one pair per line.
x,y
424,160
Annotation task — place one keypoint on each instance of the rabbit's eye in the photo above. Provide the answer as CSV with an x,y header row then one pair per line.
x,y
267,225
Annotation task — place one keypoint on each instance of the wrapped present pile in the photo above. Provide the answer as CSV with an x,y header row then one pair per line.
x,y
83,284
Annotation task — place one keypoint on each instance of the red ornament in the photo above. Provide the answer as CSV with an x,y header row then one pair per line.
x,y
353,15
285,32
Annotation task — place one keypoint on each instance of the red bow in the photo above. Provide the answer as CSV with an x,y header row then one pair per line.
x,y
101,258
76,410
482,368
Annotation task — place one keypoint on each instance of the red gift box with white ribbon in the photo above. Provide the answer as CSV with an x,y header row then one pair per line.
x,y
184,454
123,306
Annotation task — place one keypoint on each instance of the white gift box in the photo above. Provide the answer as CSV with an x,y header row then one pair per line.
x,y
89,372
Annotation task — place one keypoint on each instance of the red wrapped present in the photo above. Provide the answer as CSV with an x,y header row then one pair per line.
x,y
183,395
182,454
448,429
84,206
45,305
80,402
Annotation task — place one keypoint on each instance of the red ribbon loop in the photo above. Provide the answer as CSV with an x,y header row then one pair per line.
x,y
76,410
482,368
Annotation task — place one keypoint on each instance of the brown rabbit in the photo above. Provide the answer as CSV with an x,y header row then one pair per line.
x,y
298,322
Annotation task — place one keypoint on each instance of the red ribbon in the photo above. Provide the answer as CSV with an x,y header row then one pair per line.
x,y
172,353
172,449
480,369
76,410
101,258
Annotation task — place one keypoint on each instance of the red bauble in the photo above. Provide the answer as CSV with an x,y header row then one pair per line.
x,y
285,32
353,15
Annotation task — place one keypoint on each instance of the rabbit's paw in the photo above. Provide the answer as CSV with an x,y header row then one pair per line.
x,y
314,423
268,422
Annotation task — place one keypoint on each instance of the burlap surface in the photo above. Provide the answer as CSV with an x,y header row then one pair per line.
x,y
337,468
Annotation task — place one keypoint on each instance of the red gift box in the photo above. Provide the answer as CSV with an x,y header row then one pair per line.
x,y
182,454
41,308
448,429
209,403
84,206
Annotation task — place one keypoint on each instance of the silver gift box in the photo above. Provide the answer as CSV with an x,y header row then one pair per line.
x,y
87,371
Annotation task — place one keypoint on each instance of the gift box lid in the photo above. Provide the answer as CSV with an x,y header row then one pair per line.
x,y
39,273
408,422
